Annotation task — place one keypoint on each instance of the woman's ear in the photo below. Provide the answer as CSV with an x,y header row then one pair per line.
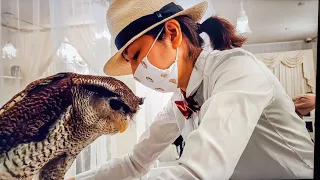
x,y
173,32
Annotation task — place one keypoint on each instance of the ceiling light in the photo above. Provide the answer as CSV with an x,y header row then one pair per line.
x,y
9,51
243,22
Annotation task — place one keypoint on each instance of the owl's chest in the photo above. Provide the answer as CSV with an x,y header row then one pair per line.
x,y
27,159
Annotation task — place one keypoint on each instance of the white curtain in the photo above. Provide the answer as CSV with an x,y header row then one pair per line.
x,y
294,69
37,34
34,55
92,46
282,47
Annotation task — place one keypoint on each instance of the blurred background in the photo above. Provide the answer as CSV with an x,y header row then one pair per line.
x,y
43,37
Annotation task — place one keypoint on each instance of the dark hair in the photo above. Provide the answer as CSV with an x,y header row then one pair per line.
x,y
221,32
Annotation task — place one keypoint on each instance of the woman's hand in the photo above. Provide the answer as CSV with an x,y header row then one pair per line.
x,y
305,103
71,179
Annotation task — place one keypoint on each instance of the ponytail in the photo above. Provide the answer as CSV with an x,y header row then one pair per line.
x,y
222,33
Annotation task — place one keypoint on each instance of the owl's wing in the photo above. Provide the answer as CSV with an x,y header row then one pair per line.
x,y
29,114
29,89
57,167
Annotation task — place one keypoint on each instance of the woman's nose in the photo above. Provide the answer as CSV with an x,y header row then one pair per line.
x,y
129,58
127,55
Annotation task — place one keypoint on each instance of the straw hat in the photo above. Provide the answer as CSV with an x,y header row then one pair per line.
x,y
129,19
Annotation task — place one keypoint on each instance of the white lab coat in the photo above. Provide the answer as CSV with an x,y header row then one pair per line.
x,y
248,128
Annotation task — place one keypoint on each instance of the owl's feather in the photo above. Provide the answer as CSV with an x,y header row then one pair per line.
x,y
39,106
45,126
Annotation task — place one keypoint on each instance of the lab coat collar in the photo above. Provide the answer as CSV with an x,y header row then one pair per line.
x,y
197,73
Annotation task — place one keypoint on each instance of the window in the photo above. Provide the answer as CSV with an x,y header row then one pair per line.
x,y
104,34
72,59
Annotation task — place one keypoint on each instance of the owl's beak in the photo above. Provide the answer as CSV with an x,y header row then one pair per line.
x,y
124,125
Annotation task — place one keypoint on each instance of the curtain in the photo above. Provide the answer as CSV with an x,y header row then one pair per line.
x,y
282,47
9,80
34,57
38,35
294,69
92,46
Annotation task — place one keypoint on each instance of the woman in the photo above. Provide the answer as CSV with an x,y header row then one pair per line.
x,y
232,112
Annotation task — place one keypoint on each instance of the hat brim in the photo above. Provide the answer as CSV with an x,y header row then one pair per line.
x,y
118,66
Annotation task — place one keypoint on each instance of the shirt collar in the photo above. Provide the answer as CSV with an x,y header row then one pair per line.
x,y
197,73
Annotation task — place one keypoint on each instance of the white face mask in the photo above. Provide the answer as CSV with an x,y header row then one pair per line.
x,y
162,80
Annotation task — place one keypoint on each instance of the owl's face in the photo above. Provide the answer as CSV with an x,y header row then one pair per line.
x,y
107,107
112,114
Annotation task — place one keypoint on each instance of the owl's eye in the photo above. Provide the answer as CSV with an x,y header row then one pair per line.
x,y
115,104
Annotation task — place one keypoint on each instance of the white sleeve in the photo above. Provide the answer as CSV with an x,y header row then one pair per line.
x,y
240,94
162,132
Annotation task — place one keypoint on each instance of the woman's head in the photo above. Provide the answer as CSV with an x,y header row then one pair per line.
x,y
162,53
160,41
178,31
183,33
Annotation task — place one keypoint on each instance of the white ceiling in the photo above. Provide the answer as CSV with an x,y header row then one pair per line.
x,y
269,20
273,20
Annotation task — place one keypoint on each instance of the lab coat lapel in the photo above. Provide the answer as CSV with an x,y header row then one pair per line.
x,y
197,73
196,78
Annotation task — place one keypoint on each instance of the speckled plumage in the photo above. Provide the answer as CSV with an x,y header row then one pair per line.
x,y
44,127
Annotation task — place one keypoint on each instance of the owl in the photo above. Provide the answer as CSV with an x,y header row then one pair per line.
x,y
44,127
